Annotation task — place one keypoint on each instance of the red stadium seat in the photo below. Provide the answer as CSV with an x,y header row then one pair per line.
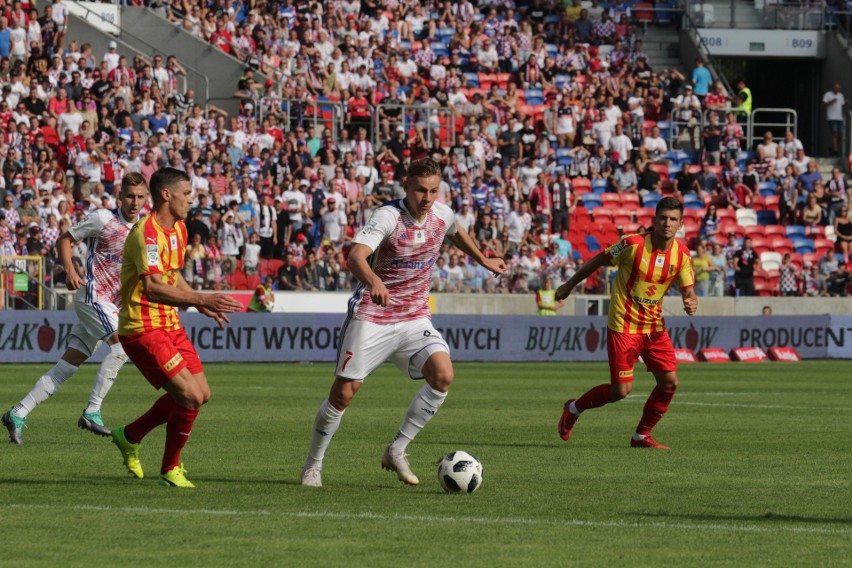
x,y
755,231
630,200
782,245
775,230
581,183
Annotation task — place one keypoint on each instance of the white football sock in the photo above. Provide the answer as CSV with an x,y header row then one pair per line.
x,y
639,437
44,388
572,408
419,413
326,424
107,372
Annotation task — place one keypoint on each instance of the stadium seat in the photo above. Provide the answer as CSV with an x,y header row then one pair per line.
x,y
771,260
650,200
602,215
643,13
755,231
758,203
610,197
661,169
591,201
599,186
763,289
239,281
815,231
775,231
772,202
767,218
692,201
804,248
746,217
822,246
581,182
795,230
592,244
767,188
759,244
725,213
782,245
630,200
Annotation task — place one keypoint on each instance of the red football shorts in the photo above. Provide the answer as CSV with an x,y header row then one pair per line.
x,y
160,355
624,350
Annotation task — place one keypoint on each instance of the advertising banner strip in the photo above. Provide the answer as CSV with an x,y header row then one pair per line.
x,y
41,336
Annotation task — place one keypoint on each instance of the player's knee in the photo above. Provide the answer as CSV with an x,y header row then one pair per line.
x,y
621,390
340,400
441,379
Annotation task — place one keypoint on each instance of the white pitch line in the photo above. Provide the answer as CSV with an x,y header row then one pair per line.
x,y
518,521
642,399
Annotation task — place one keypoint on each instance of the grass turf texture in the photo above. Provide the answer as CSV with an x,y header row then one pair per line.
x,y
759,473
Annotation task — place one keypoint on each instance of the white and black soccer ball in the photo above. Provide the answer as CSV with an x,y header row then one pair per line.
x,y
460,472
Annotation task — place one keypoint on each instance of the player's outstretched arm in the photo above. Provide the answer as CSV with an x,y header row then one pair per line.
x,y
589,268
690,300
465,243
183,296
361,270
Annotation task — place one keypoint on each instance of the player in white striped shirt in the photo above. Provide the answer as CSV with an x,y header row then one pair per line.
x,y
389,316
96,305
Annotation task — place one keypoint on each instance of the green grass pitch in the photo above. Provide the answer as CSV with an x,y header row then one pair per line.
x,y
759,474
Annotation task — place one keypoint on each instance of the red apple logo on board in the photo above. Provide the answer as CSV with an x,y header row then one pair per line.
x,y
46,337
592,338
692,337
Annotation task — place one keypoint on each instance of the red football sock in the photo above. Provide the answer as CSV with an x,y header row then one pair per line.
x,y
655,408
177,434
598,396
158,414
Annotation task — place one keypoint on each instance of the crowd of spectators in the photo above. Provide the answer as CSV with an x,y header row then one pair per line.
x,y
280,195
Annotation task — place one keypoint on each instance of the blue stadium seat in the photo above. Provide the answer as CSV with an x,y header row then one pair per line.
x,y
692,201
599,186
560,152
440,51
561,80
564,161
592,243
472,79
767,218
796,230
533,93
804,248
591,200
767,186
651,200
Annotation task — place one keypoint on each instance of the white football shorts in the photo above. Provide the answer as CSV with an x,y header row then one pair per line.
x,y
97,321
365,345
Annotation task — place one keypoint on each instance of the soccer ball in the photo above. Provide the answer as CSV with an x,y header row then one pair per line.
x,y
460,472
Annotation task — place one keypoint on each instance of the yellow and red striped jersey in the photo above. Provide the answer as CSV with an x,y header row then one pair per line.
x,y
644,277
150,249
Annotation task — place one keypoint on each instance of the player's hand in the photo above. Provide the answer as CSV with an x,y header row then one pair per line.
x,y
221,303
73,280
690,305
563,292
496,266
220,317
379,294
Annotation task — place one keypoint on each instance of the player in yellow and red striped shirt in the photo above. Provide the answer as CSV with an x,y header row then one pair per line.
x,y
150,331
648,264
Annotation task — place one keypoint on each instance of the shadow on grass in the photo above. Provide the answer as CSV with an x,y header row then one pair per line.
x,y
766,517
